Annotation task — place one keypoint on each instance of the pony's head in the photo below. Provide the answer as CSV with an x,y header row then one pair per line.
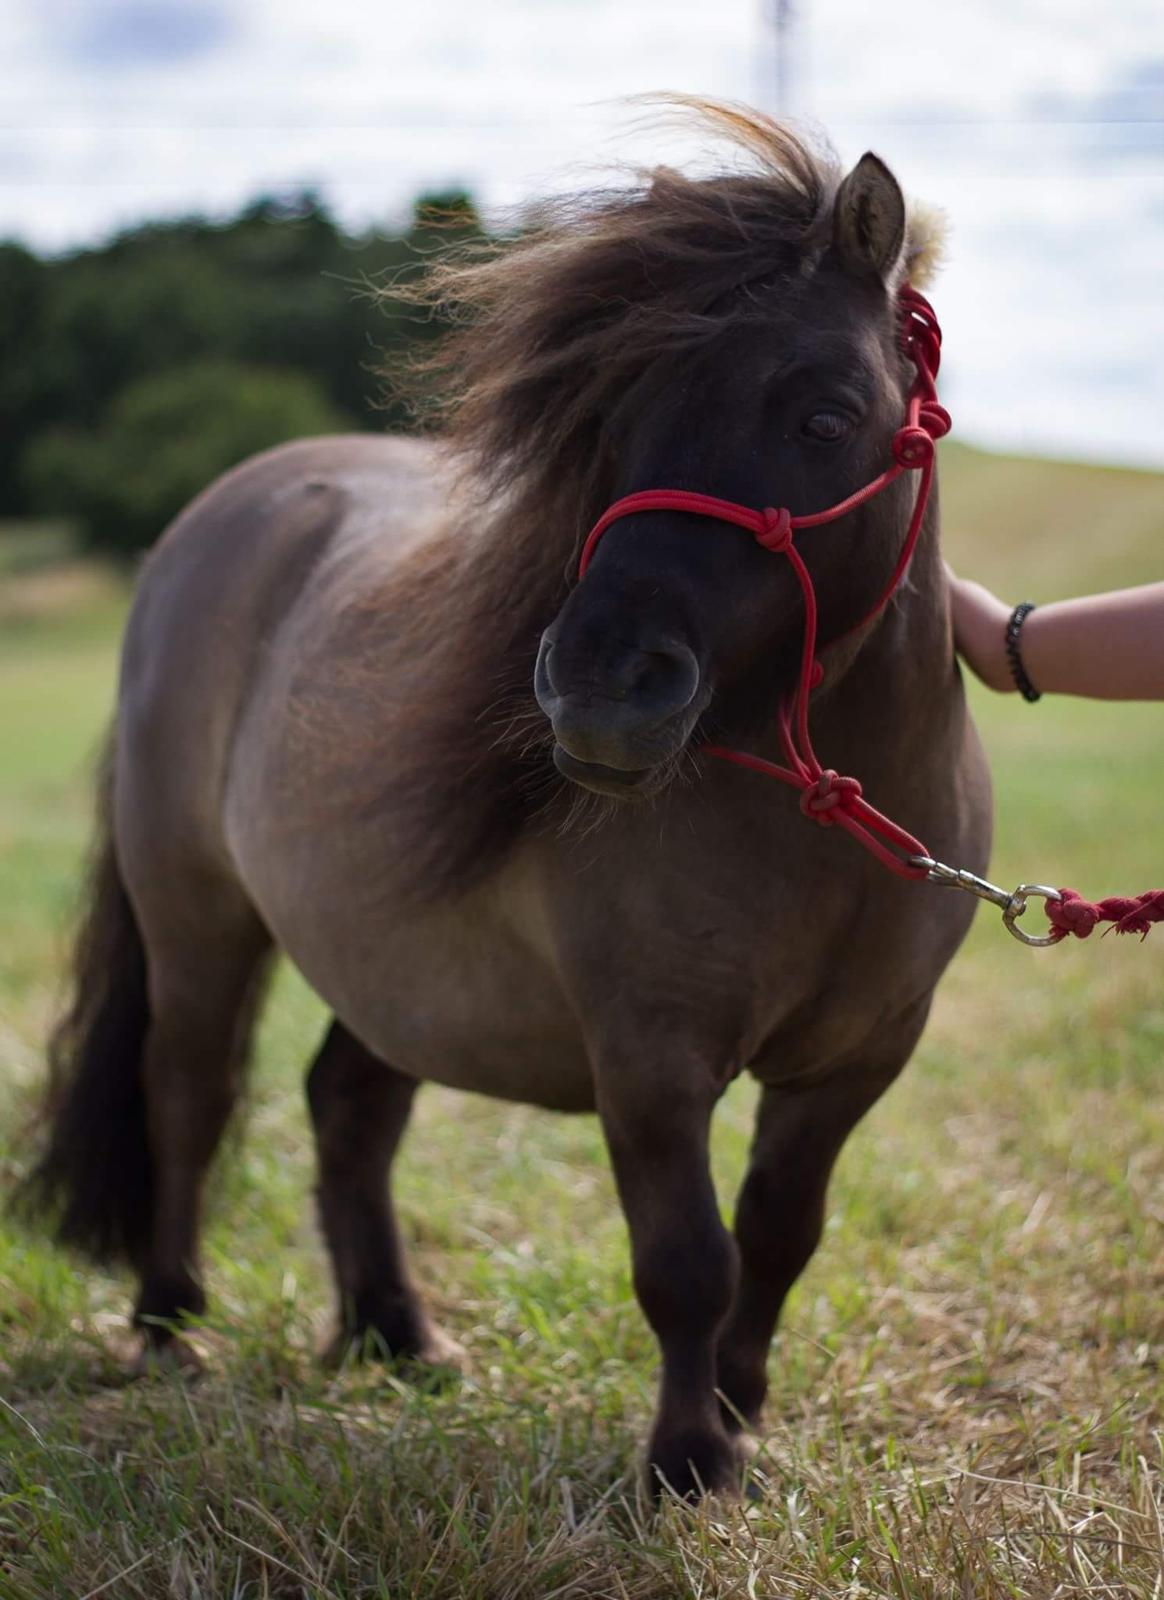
x,y
736,335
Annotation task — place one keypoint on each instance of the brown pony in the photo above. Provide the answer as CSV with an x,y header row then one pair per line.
x,y
368,717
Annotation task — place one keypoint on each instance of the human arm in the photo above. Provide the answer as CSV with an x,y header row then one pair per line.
x,y
1105,646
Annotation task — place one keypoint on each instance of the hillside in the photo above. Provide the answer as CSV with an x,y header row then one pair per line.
x,y
1049,529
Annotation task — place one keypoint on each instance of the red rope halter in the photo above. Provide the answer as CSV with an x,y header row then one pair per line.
x,y
825,796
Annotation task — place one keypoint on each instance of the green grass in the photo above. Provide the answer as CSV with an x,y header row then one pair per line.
x,y
967,1397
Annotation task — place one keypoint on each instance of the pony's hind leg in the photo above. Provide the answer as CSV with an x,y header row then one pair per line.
x,y
360,1108
144,1067
204,989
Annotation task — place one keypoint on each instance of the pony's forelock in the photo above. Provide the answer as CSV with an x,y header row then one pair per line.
x,y
548,329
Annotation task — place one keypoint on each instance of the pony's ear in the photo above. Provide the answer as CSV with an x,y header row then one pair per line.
x,y
869,220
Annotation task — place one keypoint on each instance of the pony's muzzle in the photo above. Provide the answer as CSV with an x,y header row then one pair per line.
x,y
618,712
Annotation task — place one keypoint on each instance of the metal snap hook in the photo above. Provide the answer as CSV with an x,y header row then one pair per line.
x,y
1018,904
1011,905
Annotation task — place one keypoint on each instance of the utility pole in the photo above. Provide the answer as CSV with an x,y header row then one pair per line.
x,y
777,54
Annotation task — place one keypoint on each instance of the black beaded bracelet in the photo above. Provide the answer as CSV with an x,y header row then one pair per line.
x,y
1017,671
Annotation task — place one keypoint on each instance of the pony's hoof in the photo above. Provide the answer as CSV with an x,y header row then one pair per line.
x,y
440,1349
172,1357
748,1447
427,1355
691,1465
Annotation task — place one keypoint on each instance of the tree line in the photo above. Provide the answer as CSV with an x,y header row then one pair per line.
x,y
136,371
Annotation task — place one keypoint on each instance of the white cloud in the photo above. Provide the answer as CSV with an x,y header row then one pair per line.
x,y
1052,302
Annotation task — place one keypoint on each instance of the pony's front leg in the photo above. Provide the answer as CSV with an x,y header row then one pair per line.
x,y
781,1210
656,1125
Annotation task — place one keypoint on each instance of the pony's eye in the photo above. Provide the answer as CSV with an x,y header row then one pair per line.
x,y
827,426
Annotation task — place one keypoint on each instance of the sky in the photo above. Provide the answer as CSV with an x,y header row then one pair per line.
x,y
1038,125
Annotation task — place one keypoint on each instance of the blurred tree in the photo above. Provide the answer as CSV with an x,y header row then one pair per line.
x,y
279,286
23,290
165,438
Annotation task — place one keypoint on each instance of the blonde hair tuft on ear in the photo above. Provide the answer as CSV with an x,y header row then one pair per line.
x,y
926,237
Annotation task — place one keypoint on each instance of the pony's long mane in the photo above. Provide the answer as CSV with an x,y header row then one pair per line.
x,y
547,332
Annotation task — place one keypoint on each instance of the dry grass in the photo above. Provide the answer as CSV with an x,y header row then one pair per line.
x,y
967,1399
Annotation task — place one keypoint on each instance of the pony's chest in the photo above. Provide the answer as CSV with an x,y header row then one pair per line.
x,y
833,990
787,966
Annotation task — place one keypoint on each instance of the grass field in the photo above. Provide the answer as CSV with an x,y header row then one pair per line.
x,y
967,1396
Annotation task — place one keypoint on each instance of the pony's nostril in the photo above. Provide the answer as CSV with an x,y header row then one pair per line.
x,y
545,689
666,680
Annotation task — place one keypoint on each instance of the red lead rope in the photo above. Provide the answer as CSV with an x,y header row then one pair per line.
x,y
826,796
1072,914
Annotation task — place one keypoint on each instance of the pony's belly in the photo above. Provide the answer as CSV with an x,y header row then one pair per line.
x,y
459,999
471,1031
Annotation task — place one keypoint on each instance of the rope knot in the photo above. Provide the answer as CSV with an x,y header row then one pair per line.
x,y
830,792
934,418
913,447
1071,914
776,534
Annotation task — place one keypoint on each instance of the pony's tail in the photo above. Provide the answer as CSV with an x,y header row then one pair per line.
x,y
93,1182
